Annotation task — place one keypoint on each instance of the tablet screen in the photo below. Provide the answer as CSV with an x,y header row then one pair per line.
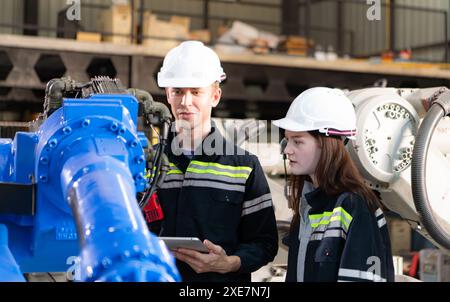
x,y
192,243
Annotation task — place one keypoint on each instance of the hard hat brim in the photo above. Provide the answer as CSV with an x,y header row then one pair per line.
x,y
183,83
291,125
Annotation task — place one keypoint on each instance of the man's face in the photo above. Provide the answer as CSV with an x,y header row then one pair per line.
x,y
192,106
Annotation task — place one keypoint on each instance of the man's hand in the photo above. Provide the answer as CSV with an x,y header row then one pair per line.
x,y
215,261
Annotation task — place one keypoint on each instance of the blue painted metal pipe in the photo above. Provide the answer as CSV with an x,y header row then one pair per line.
x,y
87,161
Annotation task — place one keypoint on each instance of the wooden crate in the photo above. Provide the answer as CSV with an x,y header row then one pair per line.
x,y
203,35
88,37
116,20
171,33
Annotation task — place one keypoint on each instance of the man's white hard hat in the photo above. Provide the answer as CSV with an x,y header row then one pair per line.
x,y
190,65
324,109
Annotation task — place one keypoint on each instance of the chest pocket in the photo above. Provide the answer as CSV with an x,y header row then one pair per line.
x,y
327,259
225,208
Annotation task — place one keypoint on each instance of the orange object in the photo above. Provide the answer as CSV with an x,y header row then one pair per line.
x,y
387,56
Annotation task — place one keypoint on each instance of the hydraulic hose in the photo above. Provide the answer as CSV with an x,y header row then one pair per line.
x,y
439,109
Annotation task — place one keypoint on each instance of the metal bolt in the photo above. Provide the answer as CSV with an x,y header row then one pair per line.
x,y
114,126
134,144
43,178
86,122
53,143
67,130
122,130
44,160
140,159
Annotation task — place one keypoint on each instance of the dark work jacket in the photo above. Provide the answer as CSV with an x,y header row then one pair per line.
x,y
348,242
222,198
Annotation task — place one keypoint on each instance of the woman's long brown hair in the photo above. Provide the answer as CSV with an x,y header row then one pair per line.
x,y
335,174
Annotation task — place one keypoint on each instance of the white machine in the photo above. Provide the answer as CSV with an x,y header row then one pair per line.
x,y
402,150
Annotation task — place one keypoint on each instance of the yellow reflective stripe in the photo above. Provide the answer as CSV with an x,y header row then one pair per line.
x,y
174,172
232,168
326,222
174,169
338,214
327,214
215,172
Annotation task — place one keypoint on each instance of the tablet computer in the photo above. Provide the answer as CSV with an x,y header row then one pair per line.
x,y
192,243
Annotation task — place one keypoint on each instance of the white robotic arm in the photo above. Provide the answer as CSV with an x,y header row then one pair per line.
x,y
412,176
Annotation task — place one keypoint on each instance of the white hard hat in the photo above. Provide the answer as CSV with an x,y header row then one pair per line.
x,y
324,109
190,65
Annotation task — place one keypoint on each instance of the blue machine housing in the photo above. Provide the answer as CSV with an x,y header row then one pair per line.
x,y
87,162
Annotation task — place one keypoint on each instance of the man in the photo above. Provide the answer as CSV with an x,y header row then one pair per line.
x,y
220,197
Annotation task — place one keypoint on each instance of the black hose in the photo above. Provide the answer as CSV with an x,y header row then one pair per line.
x,y
418,170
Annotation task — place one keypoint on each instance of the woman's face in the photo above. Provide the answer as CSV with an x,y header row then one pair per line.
x,y
303,152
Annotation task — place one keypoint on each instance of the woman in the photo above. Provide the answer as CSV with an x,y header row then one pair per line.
x,y
338,232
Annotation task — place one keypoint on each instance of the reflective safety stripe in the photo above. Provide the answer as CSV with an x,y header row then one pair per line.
x,y
380,217
352,273
329,233
378,212
257,200
381,222
213,184
241,169
174,172
215,177
170,177
333,224
174,169
327,214
338,214
215,172
256,208
172,185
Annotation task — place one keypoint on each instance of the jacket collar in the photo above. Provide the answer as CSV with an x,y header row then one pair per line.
x,y
318,200
213,145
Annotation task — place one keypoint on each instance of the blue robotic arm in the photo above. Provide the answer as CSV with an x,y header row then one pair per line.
x,y
84,165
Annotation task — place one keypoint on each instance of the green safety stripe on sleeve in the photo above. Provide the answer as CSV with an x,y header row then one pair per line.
x,y
338,214
327,214
174,169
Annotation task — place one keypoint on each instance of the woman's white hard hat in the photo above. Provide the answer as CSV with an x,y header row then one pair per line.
x,y
326,110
